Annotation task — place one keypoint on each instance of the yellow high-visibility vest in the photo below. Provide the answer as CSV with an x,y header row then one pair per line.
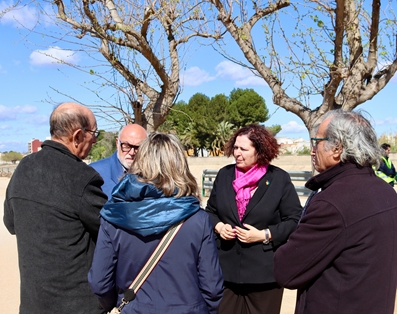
x,y
383,176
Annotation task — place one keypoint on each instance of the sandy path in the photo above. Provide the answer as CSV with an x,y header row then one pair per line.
x,y
9,274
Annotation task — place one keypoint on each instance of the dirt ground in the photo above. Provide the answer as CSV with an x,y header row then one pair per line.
x,y
9,274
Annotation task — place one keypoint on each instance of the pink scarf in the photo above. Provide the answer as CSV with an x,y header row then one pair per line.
x,y
244,183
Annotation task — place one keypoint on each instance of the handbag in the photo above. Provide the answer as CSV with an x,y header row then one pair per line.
x,y
130,293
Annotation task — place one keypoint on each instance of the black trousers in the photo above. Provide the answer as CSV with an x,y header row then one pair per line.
x,y
251,299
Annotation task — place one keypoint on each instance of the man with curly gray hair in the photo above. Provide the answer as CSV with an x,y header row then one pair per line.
x,y
342,257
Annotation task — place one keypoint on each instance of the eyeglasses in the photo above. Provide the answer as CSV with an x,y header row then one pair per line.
x,y
94,133
125,147
316,140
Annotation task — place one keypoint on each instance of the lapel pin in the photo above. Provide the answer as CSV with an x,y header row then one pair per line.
x,y
267,182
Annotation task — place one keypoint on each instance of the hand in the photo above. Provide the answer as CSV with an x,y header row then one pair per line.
x,y
251,235
226,231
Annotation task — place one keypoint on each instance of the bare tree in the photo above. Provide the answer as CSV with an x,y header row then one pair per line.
x,y
142,42
341,52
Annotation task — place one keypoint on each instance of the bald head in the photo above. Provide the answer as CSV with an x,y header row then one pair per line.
x,y
133,131
74,126
130,137
68,117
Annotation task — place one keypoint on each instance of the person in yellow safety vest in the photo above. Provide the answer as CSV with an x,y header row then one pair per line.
x,y
386,169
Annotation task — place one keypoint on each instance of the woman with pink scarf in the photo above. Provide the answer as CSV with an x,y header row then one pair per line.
x,y
254,208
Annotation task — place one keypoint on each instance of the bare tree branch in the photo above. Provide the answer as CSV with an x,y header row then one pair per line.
x,y
147,33
333,51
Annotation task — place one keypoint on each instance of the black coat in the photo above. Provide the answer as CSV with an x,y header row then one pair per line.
x,y
274,205
52,206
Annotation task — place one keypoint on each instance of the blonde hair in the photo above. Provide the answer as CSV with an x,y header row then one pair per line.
x,y
161,161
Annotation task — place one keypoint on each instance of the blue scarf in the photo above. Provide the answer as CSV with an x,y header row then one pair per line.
x,y
142,208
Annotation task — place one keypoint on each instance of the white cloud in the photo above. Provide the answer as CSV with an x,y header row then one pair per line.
x,y
20,16
226,70
292,127
194,76
251,81
53,55
386,122
11,113
39,119
7,113
242,76
26,109
5,127
26,16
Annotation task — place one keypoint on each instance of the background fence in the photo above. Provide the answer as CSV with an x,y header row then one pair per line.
x,y
209,175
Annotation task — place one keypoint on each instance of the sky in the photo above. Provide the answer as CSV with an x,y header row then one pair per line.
x,y
30,80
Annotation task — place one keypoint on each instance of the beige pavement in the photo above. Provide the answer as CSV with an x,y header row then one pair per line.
x,y
9,274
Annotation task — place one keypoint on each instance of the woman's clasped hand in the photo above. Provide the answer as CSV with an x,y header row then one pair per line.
x,y
248,234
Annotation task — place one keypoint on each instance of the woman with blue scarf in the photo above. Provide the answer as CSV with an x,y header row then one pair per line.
x,y
158,192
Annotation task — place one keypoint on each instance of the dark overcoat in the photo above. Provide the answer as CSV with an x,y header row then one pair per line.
x,y
52,206
342,258
274,205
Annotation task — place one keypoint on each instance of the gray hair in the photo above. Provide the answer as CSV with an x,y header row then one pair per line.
x,y
354,133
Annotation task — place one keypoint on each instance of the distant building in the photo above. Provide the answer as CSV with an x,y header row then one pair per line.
x,y
34,146
291,145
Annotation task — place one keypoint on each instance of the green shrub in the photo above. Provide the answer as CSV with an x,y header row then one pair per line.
x,y
304,151
390,139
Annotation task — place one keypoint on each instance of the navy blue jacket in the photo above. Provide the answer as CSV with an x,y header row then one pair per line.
x,y
111,170
187,279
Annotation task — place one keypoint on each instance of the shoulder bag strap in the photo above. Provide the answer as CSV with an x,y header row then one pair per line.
x,y
129,295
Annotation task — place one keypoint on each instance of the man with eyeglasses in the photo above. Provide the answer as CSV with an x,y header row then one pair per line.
x,y
52,205
342,257
113,168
